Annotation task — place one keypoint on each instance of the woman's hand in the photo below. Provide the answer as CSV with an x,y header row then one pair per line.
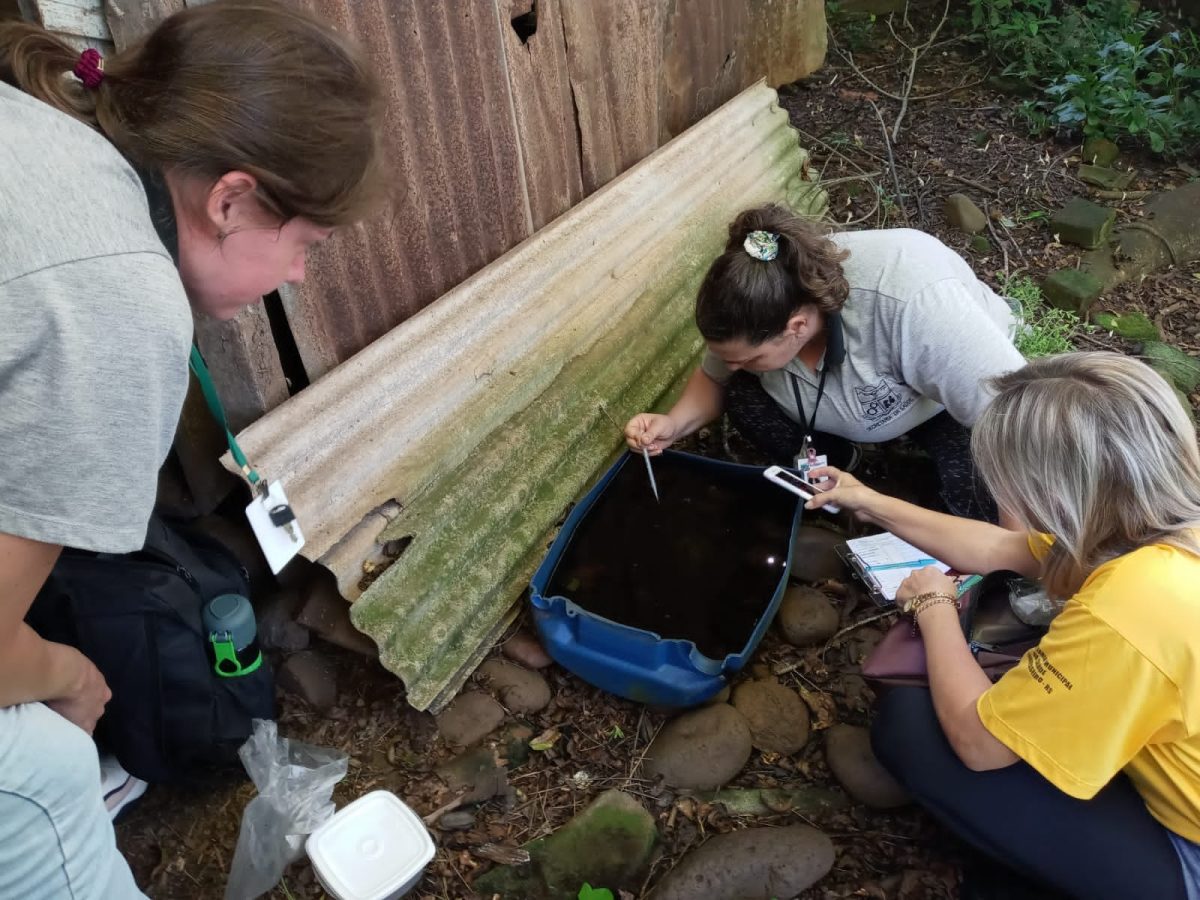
x,y
85,702
929,580
652,431
844,490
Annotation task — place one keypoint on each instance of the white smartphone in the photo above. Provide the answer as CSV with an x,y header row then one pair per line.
x,y
789,480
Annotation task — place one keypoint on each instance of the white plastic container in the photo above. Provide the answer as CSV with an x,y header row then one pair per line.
x,y
375,848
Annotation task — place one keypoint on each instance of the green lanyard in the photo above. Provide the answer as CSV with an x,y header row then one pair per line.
x,y
200,370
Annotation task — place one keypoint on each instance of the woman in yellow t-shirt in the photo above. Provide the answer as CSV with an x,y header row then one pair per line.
x,y
1081,766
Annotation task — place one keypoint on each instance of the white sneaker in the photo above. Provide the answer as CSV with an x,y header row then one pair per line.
x,y
120,789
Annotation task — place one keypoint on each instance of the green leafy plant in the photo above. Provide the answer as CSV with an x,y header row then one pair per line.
x,y
587,892
1044,330
1099,66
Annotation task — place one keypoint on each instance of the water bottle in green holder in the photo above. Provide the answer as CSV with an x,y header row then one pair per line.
x,y
232,635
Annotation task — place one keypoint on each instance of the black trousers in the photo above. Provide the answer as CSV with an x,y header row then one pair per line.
x,y
758,418
1106,847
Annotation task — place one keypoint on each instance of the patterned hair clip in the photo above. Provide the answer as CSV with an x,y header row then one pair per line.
x,y
762,245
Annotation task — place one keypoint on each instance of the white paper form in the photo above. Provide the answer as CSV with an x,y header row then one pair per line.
x,y
889,560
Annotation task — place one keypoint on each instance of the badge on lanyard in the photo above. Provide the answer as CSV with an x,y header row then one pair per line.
x,y
275,525
809,458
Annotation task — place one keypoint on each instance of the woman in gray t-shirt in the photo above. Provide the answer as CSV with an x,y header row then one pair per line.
x,y
259,123
817,343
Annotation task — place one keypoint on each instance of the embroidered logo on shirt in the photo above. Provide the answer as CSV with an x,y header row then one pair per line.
x,y
877,400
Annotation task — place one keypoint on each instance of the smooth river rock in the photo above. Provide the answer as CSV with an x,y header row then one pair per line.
x,y
754,863
700,750
778,718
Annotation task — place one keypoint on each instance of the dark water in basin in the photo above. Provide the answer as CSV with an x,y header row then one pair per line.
x,y
701,566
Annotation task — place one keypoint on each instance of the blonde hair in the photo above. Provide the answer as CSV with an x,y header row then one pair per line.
x,y
1096,450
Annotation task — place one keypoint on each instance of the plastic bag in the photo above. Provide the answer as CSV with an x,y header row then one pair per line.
x,y
295,782
1031,604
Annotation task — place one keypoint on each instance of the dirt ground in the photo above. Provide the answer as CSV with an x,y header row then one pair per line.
x,y
180,840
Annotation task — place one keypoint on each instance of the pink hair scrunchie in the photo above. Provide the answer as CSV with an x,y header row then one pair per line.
x,y
90,68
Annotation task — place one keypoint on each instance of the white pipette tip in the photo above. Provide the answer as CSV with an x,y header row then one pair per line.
x,y
650,472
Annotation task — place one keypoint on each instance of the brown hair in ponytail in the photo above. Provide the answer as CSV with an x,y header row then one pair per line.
x,y
235,85
746,298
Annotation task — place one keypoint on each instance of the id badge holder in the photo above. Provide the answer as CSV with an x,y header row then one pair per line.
x,y
804,462
275,526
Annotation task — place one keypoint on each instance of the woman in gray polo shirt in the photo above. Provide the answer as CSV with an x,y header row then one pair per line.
x,y
821,342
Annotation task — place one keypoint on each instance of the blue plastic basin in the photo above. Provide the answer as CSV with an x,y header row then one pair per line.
x,y
636,663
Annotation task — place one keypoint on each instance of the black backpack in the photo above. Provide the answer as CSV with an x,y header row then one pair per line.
x,y
137,617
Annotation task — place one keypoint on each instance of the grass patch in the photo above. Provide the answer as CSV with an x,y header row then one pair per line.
x,y
1045,330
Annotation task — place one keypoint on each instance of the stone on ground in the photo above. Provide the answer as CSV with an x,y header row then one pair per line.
x,y
1174,365
513,743
1083,223
310,676
700,750
1072,289
326,612
756,862
608,844
457,820
519,689
850,758
777,717
814,554
980,244
478,775
963,214
1100,152
809,800
470,716
277,625
527,650
1131,326
1104,177
806,617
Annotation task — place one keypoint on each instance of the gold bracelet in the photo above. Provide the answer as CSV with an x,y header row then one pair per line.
x,y
914,602
935,600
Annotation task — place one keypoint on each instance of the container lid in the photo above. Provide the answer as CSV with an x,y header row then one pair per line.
x,y
234,614
370,848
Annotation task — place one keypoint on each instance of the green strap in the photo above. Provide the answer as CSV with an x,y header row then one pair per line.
x,y
200,370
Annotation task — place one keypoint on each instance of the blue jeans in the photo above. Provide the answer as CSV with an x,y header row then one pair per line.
x,y
56,840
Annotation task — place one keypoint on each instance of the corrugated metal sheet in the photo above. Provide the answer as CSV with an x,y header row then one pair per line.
x,y
714,48
482,414
452,147
82,20
614,57
130,19
545,111
492,137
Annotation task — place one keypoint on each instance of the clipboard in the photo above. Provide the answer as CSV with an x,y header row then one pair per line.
x,y
877,587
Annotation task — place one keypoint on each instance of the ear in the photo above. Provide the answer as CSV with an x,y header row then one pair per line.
x,y
797,324
232,204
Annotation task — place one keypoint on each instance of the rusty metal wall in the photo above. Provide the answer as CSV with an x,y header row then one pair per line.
x,y
502,115
492,134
